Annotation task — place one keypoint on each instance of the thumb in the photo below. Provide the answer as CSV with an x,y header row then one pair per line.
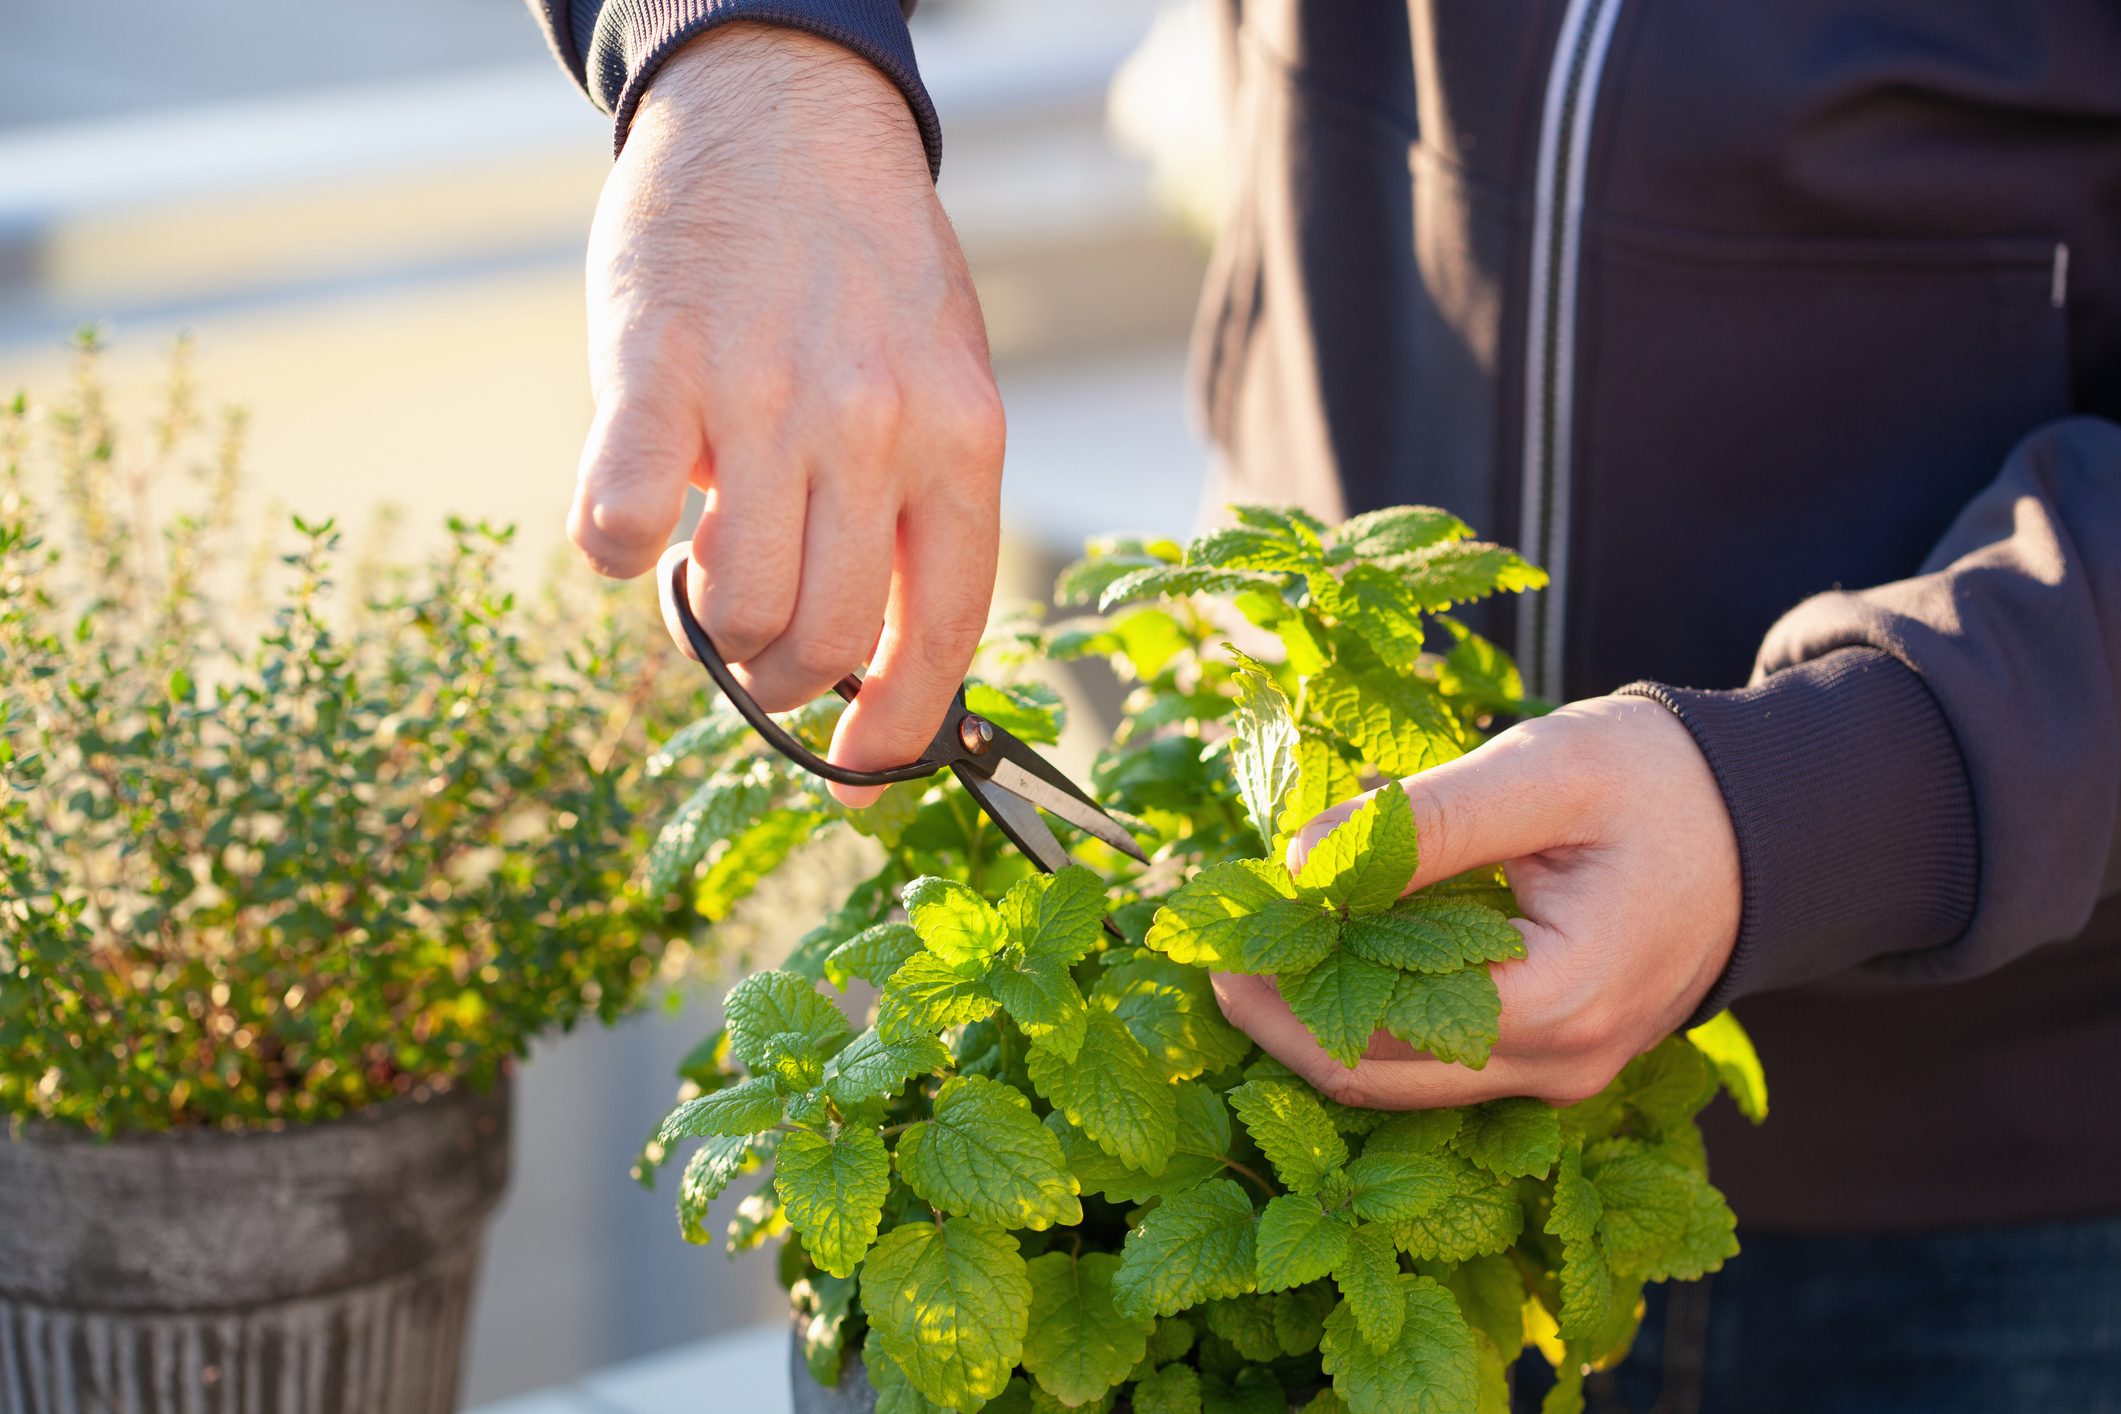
x,y
1497,803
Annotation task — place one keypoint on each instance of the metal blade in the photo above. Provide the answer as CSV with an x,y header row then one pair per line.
x,y
1016,819
1015,780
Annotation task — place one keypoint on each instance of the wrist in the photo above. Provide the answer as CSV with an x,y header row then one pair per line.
x,y
746,85
1853,815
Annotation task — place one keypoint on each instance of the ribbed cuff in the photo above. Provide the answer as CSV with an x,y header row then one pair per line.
x,y
632,38
1855,822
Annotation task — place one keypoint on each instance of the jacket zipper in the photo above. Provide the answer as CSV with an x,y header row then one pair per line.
x,y
1550,329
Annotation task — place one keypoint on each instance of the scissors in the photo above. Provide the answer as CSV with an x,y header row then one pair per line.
x,y
1010,781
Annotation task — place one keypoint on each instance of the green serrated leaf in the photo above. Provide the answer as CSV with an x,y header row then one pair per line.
x,y
1243,916
1389,1187
895,1393
1477,673
926,995
1325,777
1368,1278
1724,1044
1430,1369
1247,1322
1415,1132
1515,1138
950,1303
1300,1316
752,854
1396,530
748,1107
1041,997
1428,934
872,954
1059,915
1452,1015
1668,1084
1375,604
720,807
1174,1389
1107,559
1247,548
1439,576
1365,863
1112,1091
1298,1242
1078,1344
985,1155
713,1166
1263,751
871,1068
957,925
1482,1215
1577,1210
1399,724
1292,1129
1490,1295
773,1004
1342,1000
707,738
1193,1247
1028,711
1173,582
1588,1287
1199,1153
1171,1009
1661,1221
832,1191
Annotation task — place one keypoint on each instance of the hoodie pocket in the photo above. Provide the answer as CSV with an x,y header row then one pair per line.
x,y
1763,419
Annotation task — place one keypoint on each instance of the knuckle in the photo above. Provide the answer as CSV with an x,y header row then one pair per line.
x,y
1343,1086
979,425
740,627
867,406
1577,1083
825,655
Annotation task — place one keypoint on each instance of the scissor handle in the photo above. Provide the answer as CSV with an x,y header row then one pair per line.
x,y
777,736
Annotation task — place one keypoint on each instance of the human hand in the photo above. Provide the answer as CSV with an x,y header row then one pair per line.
x,y
780,315
1622,856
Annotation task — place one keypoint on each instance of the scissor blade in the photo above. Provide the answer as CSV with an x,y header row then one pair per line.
x,y
1016,818
1015,780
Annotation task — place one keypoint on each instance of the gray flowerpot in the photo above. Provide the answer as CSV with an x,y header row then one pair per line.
x,y
324,1269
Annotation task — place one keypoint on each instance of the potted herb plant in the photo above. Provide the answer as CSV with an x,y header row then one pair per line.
x,y
1046,1173
283,892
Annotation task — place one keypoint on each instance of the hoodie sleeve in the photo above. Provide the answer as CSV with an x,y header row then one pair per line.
x,y
612,48
1924,776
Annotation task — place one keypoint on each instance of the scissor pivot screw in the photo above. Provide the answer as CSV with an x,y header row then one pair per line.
x,y
977,733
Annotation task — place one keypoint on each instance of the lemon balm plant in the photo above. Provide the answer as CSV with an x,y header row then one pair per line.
x,y
1047,1173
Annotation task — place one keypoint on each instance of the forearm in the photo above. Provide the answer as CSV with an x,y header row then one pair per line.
x,y
1924,776
614,48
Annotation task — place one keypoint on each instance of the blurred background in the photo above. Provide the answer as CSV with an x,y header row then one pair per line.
x,y
370,215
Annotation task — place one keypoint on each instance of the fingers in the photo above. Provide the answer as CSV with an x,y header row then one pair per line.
x,y
1510,798
1254,1006
640,455
747,552
839,605
946,557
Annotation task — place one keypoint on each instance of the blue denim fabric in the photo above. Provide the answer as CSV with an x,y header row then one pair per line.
x,y
2022,1320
